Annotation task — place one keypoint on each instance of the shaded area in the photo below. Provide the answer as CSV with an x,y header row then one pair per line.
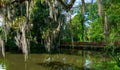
x,y
62,66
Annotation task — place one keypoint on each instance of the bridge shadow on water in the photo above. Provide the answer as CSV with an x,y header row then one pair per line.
x,y
77,52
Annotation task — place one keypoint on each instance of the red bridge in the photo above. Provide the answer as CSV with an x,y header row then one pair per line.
x,y
77,45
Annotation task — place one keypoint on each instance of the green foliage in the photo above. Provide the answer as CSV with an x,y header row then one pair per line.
x,y
15,25
92,11
95,31
39,16
76,27
113,20
43,25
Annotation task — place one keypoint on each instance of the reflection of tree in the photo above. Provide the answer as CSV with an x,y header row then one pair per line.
x,y
59,65
2,65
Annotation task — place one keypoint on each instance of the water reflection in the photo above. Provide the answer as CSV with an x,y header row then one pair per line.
x,y
60,66
87,63
58,62
2,66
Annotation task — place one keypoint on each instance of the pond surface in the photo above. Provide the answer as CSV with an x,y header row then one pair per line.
x,y
61,61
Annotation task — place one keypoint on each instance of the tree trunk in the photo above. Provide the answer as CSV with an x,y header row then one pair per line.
x,y
83,7
8,13
2,46
106,27
21,41
82,23
27,10
83,19
100,12
25,43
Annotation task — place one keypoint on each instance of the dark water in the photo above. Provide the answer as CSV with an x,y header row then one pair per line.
x,y
89,61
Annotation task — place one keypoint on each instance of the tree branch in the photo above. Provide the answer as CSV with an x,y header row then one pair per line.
x,y
67,7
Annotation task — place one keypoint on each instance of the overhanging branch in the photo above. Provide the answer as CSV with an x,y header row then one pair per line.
x,y
67,7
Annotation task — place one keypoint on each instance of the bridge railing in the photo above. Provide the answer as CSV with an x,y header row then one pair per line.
x,y
86,44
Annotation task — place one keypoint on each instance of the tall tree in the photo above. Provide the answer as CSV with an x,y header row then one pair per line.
x,y
106,31
83,19
100,10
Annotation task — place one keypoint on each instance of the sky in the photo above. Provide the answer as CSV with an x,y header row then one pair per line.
x,y
0,20
77,2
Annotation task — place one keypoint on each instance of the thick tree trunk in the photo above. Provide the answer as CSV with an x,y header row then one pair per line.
x,y
21,41
25,42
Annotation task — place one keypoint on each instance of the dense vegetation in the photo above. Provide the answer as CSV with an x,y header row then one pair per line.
x,y
33,25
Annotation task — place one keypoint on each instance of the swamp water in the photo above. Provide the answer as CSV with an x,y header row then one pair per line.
x,y
60,61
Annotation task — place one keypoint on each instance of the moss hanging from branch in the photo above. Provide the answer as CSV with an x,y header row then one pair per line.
x,y
65,6
55,21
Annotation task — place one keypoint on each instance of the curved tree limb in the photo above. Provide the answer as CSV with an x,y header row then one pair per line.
x,y
67,7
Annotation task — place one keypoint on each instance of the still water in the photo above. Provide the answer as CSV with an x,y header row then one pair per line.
x,y
61,61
